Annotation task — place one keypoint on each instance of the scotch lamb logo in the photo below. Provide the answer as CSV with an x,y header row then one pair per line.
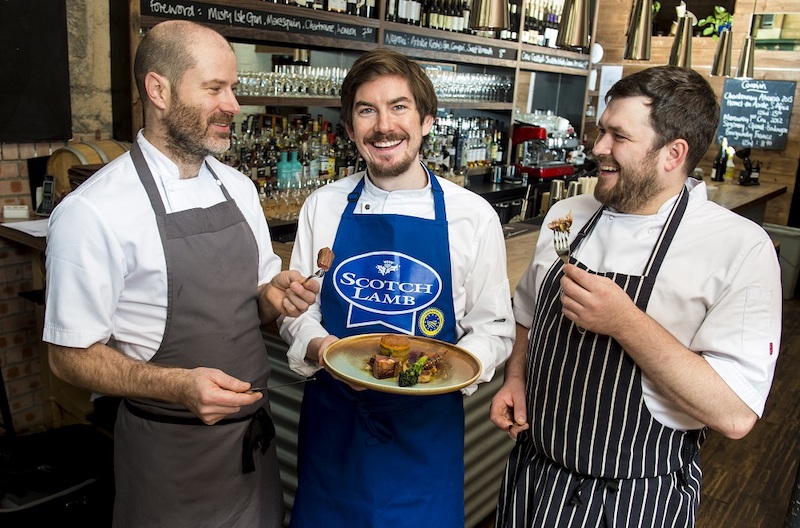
x,y
386,288
387,267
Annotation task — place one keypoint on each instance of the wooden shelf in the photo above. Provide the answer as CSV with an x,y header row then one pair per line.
x,y
331,102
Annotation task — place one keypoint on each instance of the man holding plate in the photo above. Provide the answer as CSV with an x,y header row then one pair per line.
x,y
413,255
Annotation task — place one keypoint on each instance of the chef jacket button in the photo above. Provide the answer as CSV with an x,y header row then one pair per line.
x,y
366,206
219,183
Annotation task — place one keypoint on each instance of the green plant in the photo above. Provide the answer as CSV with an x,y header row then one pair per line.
x,y
716,22
656,7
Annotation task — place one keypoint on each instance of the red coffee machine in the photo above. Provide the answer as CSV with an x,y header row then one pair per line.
x,y
533,157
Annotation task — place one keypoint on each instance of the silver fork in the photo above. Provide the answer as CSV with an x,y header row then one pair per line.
x,y
319,273
561,243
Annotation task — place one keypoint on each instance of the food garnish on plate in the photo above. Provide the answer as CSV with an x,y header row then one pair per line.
x,y
396,360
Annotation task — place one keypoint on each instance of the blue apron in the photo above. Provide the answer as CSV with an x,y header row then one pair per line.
x,y
367,458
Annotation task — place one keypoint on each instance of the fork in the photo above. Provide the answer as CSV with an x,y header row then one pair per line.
x,y
561,243
319,273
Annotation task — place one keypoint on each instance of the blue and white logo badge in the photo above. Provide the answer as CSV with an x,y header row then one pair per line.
x,y
386,288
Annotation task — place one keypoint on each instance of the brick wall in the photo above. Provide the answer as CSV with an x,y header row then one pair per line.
x,y
90,93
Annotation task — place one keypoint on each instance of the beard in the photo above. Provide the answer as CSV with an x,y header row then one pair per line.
x,y
388,169
635,186
189,138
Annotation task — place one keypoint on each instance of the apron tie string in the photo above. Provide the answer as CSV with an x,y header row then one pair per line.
x,y
259,434
610,484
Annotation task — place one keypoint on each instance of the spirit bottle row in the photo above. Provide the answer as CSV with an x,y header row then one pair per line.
x,y
541,24
446,15
463,143
361,8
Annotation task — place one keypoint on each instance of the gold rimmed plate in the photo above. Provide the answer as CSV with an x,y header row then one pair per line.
x,y
349,357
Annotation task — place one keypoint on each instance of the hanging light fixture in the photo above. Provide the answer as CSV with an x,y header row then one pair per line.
x,y
640,30
745,70
489,15
722,58
574,30
681,54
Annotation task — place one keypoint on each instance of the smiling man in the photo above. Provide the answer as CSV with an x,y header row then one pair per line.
x,y
665,322
414,255
160,272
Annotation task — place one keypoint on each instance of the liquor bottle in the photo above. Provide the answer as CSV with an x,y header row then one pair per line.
x,y
717,168
414,13
720,162
284,171
425,14
351,7
465,14
391,10
433,16
366,8
323,156
402,11
317,4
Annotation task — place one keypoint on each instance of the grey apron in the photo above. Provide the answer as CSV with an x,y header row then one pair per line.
x,y
172,470
594,455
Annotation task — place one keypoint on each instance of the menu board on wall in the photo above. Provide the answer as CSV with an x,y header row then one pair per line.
x,y
755,113
255,19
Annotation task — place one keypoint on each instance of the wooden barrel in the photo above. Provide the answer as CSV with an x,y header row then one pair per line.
x,y
85,153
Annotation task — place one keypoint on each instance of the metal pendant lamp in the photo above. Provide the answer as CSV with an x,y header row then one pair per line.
x,y
745,70
722,58
574,30
681,54
489,15
640,31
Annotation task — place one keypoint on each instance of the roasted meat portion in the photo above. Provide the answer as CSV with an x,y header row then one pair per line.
x,y
325,258
561,224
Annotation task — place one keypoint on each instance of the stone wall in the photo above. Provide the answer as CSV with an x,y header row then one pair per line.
x,y
90,92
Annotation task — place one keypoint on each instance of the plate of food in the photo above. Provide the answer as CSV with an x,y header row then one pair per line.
x,y
402,364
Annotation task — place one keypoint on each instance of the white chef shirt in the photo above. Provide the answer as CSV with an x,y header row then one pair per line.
x,y
718,291
481,294
106,273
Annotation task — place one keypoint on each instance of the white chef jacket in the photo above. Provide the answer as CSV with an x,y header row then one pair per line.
x,y
106,272
718,291
481,293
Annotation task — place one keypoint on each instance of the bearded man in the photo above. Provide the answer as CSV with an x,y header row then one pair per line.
x,y
413,254
160,272
665,321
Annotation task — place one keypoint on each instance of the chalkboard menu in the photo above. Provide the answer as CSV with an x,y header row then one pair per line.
x,y
755,113
407,40
554,60
254,19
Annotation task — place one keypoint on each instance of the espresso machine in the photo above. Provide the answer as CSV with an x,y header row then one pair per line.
x,y
539,156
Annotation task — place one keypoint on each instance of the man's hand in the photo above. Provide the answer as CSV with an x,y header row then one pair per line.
x,y
286,294
212,395
507,411
594,302
315,350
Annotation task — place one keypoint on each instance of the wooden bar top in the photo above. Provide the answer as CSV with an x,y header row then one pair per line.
x,y
736,197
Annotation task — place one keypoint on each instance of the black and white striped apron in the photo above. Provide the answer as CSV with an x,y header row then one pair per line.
x,y
594,455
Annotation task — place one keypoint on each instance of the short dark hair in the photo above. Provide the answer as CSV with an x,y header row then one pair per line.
x,y
380,62
682,106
